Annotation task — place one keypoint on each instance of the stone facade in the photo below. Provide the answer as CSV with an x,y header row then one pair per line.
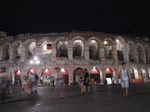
x,y
76,50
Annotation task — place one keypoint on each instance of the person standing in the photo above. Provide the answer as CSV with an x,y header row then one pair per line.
x,y
59,82
33,81
124,79
81,84
86,81
52,79
3,83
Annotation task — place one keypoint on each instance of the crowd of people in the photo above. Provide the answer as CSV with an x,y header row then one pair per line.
x,y
29,82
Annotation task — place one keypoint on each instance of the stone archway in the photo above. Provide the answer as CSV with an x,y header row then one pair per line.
x,y
6,51
95,75
108,49
131,51
109,75
65,74
78,72
94,49
45,78
141,56
17,77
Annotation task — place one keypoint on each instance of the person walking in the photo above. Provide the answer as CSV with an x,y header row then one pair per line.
x,y
81,84
9,83
59,82
3,83
124,79
24,82
86,81
33,81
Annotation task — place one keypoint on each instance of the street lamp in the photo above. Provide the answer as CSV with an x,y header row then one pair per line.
x,y
35,61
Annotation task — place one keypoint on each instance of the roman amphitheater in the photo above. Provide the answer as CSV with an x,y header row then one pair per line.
x,y
101,53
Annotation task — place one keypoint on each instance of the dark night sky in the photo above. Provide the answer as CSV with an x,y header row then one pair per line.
x,y
46,16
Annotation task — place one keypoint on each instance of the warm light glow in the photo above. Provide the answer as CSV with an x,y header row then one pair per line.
x,y
107,69
93,41
46,70
105,42
35,58
45,47
117,41
62,70
31,61
31,70
18,72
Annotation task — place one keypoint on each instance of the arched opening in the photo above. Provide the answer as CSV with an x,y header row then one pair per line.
x,y
95,76
108,49
120,52
65,74
62,49
94,50
147,54
17,77
132,75
78,48
140,54
30,71
109,75
45,78
31,49
149,73
78,72
130,48
5,52
17,49
46,48
142,75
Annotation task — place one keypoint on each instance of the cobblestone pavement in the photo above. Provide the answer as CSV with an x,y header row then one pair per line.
x,y
106,98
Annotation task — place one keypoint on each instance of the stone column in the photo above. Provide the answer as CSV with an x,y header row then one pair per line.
x,y
54,52
102,60
11,55
24,53
102,52
144,56
37,50
70,54
114,52
136,56
115,63
126,54
0,53
86,54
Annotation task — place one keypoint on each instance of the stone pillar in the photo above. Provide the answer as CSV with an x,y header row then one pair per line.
x,y
114,52
144,56
70,53
86,54
24,53
102,52
136,56
126,54
115,63
54,52
37,50
11,54
0,53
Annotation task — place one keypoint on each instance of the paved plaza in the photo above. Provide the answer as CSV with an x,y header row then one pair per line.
x,y
103,98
